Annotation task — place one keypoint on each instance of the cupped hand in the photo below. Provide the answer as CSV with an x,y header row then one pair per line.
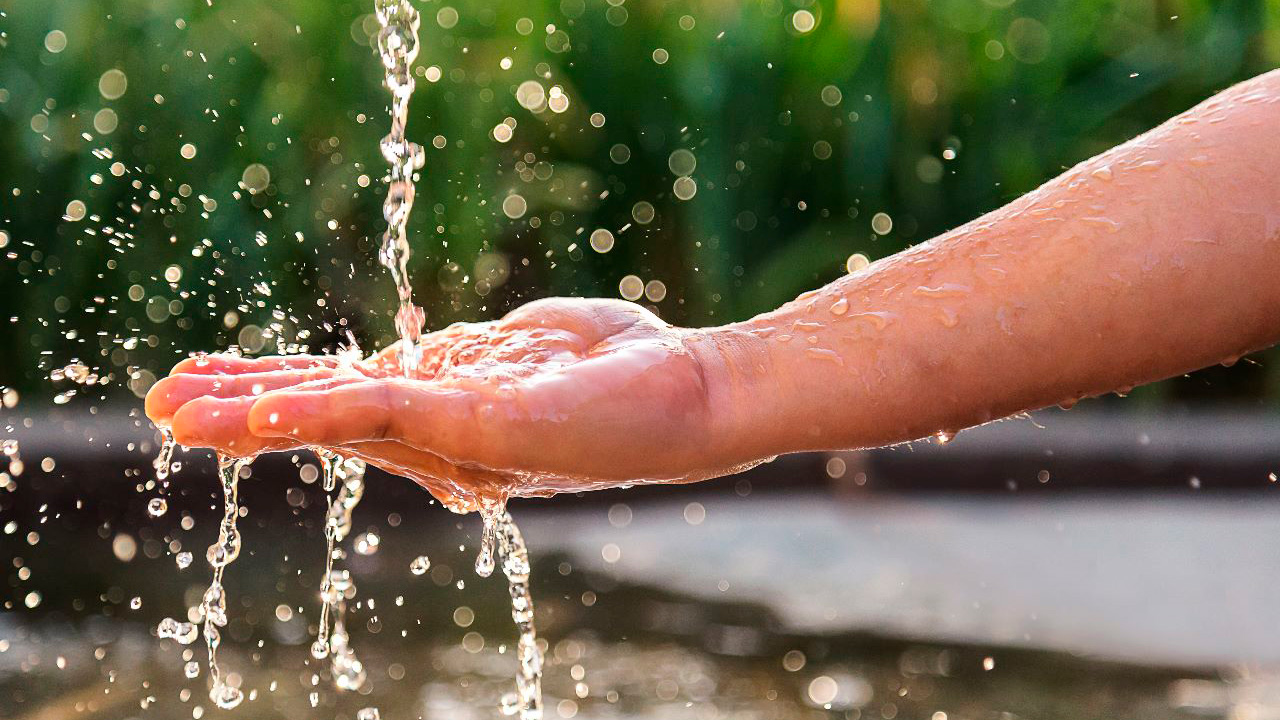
x,y
559,395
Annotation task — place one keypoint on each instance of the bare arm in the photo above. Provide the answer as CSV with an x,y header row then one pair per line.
x,y
1155,258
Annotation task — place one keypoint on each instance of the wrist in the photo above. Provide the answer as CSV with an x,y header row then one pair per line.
x,y
743,389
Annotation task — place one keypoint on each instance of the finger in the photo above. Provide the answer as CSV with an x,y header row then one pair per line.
x,y
444,421
171,393
220,423
222,363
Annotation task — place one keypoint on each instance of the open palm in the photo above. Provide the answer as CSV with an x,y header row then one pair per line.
x,y
559,395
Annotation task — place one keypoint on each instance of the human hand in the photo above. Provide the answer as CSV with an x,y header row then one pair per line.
x,y
559,395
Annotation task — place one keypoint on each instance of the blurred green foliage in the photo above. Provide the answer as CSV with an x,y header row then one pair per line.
x,y
931,112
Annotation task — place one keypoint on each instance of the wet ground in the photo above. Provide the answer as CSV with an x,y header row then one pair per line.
x,y
693,604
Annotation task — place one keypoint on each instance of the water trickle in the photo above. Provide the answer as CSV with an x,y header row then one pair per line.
x,y
213,607
346,475
526,701
158,505
398,47
488,537
165,456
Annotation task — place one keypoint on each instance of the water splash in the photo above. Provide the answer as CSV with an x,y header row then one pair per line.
x,y
526,701
398,47
213,608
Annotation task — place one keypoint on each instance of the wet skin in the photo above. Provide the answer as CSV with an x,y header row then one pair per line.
x,y
1155,258
561,394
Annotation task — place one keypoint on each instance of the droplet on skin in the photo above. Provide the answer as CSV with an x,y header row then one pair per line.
x,y
825,354
945,290
1103,173
947,317
1106,223
840,307
878,320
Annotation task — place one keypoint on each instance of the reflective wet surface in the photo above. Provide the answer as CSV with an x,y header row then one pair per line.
x,y
690,604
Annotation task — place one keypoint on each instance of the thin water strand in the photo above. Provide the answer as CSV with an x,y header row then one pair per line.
x,y
348,671
328,469
526,701
159,505
164,457
346,475
398,47
213,607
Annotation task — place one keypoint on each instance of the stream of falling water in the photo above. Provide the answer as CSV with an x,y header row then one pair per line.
x,y
336,587
158,505
498,526
398,47
213,606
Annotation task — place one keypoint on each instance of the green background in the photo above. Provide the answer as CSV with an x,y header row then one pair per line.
x,y
946,109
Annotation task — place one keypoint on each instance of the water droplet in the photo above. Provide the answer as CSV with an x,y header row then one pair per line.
x,y
840,307
881,223
601,240
420,565
157,507
225,696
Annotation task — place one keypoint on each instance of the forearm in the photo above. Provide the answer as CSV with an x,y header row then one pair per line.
x,y
1156,258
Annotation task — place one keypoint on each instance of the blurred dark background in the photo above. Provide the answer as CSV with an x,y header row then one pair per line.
x,y
182,176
